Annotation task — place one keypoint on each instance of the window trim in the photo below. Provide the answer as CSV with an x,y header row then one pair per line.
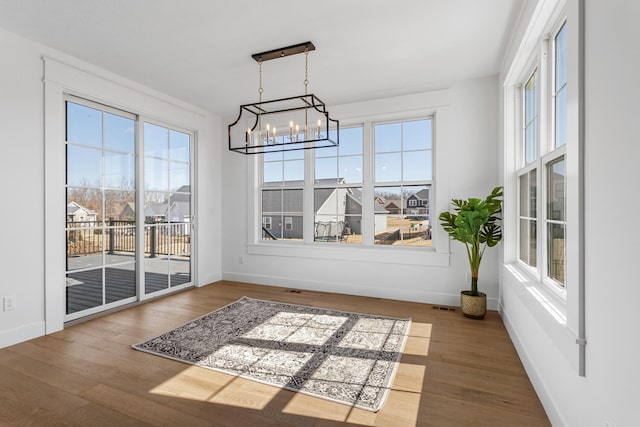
x,y
368,165
408,108
562,318
69,77
539,61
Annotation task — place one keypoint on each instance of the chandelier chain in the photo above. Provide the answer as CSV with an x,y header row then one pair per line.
x,y
260,90
306,70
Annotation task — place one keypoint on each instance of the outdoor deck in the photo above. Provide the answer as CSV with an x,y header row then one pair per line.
x,y
84,288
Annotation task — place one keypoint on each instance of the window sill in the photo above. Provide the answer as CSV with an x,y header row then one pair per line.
x,y
550,300
548,310
404,256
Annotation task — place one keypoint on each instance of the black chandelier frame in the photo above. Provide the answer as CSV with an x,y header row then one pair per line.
x,y
326,134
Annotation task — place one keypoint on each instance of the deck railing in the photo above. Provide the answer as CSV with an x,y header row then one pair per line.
x,y
118,236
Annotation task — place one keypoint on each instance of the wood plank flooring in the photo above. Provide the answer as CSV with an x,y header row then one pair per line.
x,y
454,372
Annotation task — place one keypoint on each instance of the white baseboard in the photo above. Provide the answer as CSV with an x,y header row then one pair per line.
x,y
555,417
21,334
390,292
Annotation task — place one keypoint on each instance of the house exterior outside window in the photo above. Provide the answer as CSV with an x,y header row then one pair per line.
x,y
326,187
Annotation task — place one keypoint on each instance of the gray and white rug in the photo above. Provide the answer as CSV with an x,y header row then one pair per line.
x,y
346,357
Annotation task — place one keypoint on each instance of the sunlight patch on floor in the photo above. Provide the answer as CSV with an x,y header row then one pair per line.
x,y
206,385
194,383
418,339
409,377
246,394
309,406
401,409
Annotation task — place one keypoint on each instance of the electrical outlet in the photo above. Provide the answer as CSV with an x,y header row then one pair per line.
x,y
9,303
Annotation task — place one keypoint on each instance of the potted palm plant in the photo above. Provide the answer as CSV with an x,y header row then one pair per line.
x,y
475,222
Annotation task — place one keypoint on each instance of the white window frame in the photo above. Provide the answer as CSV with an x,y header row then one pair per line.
x,y
532,269
436,255
561,312
309,186
430,184
345,186
540,63
69,77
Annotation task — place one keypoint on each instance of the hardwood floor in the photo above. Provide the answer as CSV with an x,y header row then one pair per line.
x,y
454,372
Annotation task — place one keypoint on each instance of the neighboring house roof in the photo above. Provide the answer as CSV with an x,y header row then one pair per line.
x,y
181,209
320,196
272,200
73,207
423,194
182,194
181,199
129,208
185,208
356,195
393,204
155,209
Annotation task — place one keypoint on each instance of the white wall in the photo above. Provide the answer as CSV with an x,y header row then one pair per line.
x,y
21,175
466,165
24,251
608,395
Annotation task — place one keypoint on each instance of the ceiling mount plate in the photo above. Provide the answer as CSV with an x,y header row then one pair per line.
x,y
284,51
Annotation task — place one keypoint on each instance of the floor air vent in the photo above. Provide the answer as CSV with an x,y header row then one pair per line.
x,y
439,308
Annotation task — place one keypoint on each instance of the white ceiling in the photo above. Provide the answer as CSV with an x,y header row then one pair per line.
x,y
200,50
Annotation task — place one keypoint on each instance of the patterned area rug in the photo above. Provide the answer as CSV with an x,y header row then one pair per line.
x,y
346,357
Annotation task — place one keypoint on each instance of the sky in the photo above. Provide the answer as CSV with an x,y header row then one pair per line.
x,y
101,152
403,152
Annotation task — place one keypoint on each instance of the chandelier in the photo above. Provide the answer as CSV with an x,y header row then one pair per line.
x,y
296,123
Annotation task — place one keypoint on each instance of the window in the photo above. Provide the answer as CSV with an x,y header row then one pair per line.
x,y
531,120
266,222
528,214
560,87
403,173
327,198
550,276
337,193
542,166
556,219
555,167
282,194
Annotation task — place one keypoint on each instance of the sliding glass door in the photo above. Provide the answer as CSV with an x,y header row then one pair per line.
x,y
100,195
128,217
167,208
